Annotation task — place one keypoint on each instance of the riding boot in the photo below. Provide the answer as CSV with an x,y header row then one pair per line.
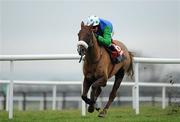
x,y
119,59
112,48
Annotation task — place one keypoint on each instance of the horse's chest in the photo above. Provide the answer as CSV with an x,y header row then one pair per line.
x,y
94,72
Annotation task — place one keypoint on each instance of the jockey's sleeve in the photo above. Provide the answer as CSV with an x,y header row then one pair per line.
x,y
106,38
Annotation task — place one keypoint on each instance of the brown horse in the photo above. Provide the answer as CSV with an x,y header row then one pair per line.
x,y
98,68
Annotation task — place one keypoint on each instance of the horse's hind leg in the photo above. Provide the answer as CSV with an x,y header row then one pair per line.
x,y
118,78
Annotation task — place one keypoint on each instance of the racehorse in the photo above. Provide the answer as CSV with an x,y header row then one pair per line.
x,y
98,68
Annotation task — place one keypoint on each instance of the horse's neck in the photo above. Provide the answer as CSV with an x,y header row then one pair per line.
x,y
94,51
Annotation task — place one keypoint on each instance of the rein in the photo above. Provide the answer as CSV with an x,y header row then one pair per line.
x,y
101,53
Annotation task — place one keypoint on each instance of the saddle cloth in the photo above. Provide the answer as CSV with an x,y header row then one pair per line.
x,y
116,53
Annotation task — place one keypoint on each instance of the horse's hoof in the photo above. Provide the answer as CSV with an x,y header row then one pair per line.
x,y
102,113
98,109
91,109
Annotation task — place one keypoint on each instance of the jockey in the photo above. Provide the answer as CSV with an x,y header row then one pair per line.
x,y
103,30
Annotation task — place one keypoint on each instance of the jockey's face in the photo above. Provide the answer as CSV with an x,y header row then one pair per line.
x,y
95,28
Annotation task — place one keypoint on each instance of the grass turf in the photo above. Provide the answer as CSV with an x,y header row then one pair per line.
x,y
119,114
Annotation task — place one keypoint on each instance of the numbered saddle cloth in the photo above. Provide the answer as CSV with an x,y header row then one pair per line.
x,y
116,53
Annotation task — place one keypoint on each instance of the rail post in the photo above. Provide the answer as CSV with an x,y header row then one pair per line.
x,y
133,97
163,97
54,98
7,97
11,86
83,105
136,88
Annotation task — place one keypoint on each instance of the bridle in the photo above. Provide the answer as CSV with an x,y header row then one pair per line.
x,y
82,48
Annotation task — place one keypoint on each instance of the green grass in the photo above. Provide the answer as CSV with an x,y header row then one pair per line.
x,y
119,114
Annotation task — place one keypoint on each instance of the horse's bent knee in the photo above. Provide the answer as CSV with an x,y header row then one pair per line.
x,y
99,84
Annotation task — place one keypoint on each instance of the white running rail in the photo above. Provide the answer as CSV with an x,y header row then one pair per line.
x,y
136,84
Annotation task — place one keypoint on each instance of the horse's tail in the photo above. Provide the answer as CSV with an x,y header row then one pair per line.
x,y
130,70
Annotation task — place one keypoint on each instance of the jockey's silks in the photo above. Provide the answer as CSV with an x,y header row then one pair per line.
x,y
104,32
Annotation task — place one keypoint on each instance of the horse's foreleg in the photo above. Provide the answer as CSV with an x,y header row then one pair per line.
x,y
96,90
97,93
86,86
118,79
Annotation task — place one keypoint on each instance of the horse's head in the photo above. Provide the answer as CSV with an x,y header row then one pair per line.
x,y
85,40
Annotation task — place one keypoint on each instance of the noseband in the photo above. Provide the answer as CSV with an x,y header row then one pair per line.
x,y
80,45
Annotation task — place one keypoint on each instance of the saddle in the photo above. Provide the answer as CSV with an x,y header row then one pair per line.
x,y
115,52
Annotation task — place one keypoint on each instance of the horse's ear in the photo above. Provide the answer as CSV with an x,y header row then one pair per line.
x,y
82,24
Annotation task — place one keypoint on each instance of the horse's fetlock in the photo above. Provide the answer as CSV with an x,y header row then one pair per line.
x,y
84,97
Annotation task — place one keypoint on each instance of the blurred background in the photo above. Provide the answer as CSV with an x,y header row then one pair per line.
x,y
149,28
